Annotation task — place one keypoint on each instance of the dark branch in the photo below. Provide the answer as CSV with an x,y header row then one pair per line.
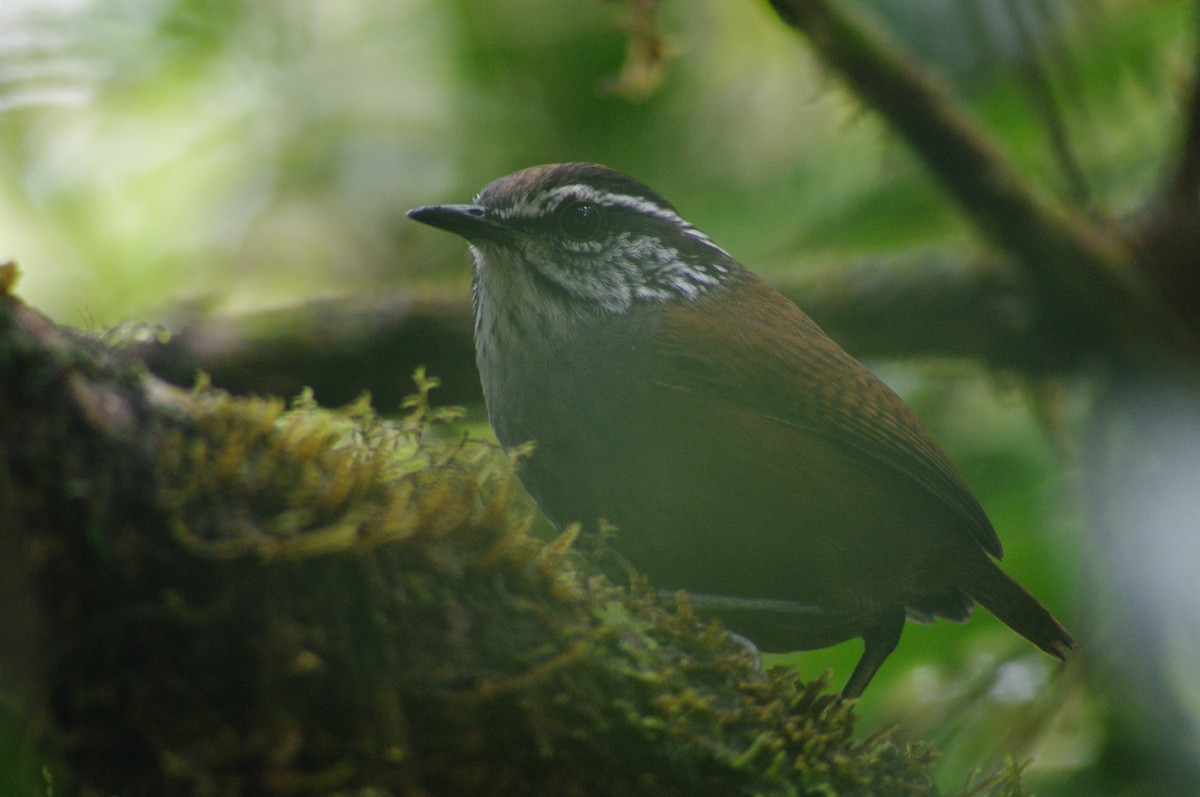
x,y
939,307
1082,270
338,347
935,307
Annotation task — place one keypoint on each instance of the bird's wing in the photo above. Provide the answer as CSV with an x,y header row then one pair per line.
x,y
817,387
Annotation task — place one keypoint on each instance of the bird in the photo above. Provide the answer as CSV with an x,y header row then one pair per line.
x,y
740,453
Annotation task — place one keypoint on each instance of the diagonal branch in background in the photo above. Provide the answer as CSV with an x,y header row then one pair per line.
x,y
1084,271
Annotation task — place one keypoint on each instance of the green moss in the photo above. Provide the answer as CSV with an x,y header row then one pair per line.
x,y
250,476
250,598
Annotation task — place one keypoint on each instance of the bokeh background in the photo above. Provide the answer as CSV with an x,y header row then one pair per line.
x,y
233,157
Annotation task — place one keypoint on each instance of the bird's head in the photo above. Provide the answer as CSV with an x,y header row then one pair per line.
x,y
585,234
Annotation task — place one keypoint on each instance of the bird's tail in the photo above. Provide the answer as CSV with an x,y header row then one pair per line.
x,y
1015,607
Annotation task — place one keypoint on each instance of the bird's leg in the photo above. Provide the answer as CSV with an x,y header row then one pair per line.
x,y
879,640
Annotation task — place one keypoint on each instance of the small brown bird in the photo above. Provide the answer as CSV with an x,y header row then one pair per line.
x,y
741,453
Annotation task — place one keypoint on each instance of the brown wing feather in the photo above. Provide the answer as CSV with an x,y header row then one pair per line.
x,y
817,387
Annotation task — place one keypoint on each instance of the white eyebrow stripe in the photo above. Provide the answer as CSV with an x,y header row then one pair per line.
x,y
536,205
694,233
587,193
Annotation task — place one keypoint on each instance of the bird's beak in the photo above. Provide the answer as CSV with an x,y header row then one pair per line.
x,y
470,221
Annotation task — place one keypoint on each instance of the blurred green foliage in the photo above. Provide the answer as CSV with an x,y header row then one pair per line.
x,y
244,155
255,154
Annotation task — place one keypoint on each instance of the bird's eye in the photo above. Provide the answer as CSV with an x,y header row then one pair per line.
x,y
578,220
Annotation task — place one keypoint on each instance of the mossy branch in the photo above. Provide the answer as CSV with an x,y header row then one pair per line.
x,y
235,596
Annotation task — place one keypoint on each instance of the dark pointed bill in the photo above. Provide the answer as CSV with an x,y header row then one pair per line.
x,y
469,221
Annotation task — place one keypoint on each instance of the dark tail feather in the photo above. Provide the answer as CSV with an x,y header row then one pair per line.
x,y
1017,609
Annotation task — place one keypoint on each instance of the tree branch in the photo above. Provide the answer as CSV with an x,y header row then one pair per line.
x,y
939,307
338,347
224,596
1083,271
932,307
